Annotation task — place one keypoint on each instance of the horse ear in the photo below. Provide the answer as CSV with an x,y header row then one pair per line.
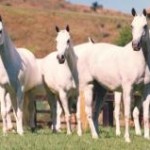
x,y
0,18
67,28
57,29
133,12
144,12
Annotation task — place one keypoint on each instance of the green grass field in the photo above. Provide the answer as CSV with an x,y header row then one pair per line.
x,y
44,139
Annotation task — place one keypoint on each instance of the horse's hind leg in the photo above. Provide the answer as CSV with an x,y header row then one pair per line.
x,y
98,103
31,110
127,89
137,106
146,104
64,101
88,93
53,107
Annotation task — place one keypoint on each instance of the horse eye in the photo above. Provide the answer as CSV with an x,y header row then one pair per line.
x,y
68,41
0,31
131,27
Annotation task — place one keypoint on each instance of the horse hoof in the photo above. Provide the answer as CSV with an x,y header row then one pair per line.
x,y
5,134
95,136
59,130
127,140
118,133
79,133
33,130
20,133
54,131
138,133
69,133
147,137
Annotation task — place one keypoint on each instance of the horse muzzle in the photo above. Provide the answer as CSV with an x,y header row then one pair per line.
x,y
61,59
136,46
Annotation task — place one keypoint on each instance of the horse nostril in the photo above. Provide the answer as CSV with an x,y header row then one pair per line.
x,y
62,57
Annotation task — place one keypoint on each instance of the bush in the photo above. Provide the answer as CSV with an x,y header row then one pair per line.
x,y
125,36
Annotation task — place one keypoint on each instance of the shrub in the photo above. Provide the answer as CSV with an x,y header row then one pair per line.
x,y
125,36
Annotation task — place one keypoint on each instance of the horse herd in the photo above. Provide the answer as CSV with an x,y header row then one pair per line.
x,y
63,74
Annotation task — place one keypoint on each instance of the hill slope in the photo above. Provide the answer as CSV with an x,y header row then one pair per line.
x,y
33,26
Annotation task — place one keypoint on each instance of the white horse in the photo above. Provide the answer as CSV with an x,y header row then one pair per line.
x,y
59,108
117,102
17,66
141,39
107,65
59,84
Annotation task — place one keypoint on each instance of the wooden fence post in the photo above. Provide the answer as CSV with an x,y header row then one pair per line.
x,y
84,121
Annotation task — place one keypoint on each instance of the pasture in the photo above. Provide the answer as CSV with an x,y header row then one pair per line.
x,y
43,139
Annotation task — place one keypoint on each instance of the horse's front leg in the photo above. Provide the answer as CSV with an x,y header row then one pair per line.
x,y
78,116
117,99
58,117
3,110
88,93
20,99
8,109
64,101
146,104
127,89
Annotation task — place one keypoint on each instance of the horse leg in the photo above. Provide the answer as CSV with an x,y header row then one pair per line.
x,y
100,92
146,104
53,107
8,109
64,101
31,110
127,105
135,113
78,116
88,93
58,118
20,98
136,120
3,110
117,97
146,117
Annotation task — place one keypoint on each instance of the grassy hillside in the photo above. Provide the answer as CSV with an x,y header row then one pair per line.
x,y
34,27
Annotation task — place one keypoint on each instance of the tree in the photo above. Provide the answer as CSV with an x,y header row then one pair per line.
x,y
95,6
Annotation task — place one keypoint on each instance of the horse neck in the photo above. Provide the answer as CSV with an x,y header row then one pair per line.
x,y
7,51
72,62
10,58
146,48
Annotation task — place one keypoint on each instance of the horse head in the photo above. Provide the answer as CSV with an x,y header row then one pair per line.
x,y
63,43
139,29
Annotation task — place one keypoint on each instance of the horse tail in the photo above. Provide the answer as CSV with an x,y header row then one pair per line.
x,y
91,40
